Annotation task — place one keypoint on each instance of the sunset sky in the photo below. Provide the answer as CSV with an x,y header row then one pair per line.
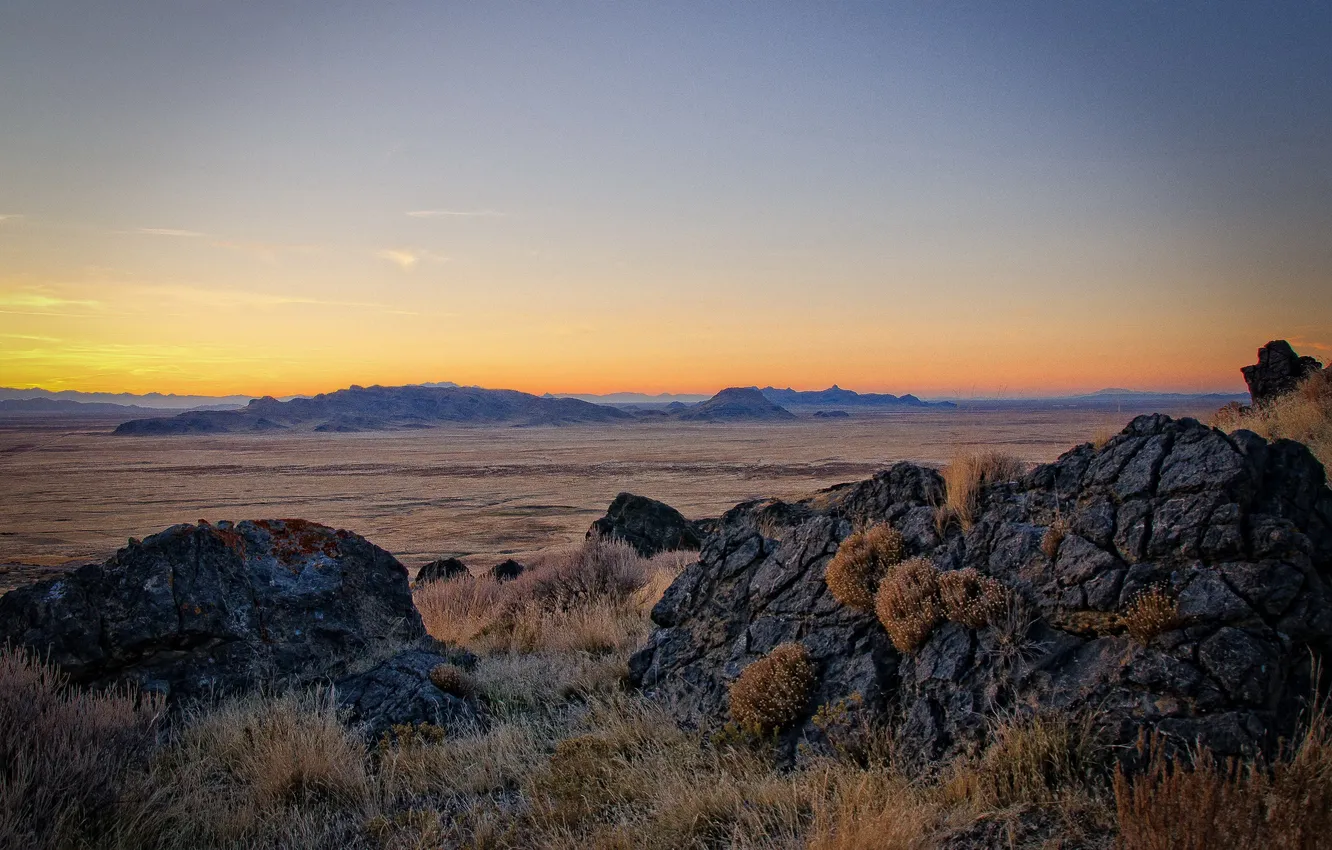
x,y
937,198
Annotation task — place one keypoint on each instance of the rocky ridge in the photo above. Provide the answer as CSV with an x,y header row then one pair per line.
x,y
1236,529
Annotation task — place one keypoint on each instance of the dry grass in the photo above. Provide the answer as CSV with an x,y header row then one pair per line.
x,y
64,754
1150,613
773,692
970,598
1304,414
1037,760
861,562
873,811
908,603
964,479
1054,537
1194,803
452,679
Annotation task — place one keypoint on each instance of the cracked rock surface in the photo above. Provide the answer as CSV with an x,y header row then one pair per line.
x,y
1239,530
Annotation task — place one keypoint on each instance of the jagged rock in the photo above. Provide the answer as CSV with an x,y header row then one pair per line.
x,y
1278,370
443,569
507,571
1238,529
647,525
398,690
214,609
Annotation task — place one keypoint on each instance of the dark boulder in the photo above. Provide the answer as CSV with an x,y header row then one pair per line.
x,y
443,569
399,691
1237,529
507,571
1278,370
215,609
647,525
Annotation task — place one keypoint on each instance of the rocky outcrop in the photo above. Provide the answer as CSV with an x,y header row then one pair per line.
x,y
399,690
1236,529
647,525
507,570
1278,370
737,404
217,608
442,569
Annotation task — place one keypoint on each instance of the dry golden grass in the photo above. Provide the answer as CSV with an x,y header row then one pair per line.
x,y
1037,760
774,691
970,598
966,476
908,603
1053,537
64,754
1304,414
1194,803
452,679
861,562
1151,612
873,811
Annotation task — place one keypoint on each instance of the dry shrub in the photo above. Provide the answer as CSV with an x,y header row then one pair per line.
x,y
1304,414
773,692
1053,537
64,754
1153,611
862,560
970,598
1196,804
452,679
872,811
261,770
964,479
908,603
1036,760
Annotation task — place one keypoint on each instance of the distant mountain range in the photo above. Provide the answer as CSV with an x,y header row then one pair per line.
x,y
155,401
838,397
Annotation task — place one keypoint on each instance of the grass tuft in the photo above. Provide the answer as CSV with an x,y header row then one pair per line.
x,y
964,479
1151,612
908,603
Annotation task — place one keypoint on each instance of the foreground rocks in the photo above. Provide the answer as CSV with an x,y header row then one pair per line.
x,y
1278,371
647,525
1237,529
201,610
443,569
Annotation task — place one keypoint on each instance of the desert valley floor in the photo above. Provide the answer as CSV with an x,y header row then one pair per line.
x,y
73,493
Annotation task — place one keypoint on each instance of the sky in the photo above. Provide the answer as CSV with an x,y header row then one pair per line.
x,y
939,198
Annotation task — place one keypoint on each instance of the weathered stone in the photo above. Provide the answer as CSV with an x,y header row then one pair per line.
x,y
443,569
1278,371
398,690
647,525
1231,526
506,570
215,609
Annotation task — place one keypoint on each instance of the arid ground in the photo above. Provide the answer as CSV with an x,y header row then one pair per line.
x,y
71,493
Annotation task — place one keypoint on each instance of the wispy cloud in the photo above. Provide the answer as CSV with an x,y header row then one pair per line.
x,y
33,300
168,231
459,213
7,217
409,258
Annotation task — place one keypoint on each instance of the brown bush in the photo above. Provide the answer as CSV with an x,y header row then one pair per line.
x,y
1194,803
64,754
908,603
966,475
970,598
862,560
1054,535
1151,612
773,692
452,679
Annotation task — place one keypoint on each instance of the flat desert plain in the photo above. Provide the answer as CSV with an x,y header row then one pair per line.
x,y
71,493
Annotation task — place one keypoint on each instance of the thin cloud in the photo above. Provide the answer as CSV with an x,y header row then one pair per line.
x,y
409,258
168,231
4,217
458,213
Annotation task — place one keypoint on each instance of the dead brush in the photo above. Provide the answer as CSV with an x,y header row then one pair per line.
x,y
453,680
862,560
773,692
1195,803
970,598
908,603
1035,760
964,479
1303,414
1054,536
1153,611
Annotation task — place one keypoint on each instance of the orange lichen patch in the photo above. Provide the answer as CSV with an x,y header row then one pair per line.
x,y
230,539
297,539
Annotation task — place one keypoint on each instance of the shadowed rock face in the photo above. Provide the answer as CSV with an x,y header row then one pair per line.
x,y
647,525
1239,530
1278,370
443,569
200,609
